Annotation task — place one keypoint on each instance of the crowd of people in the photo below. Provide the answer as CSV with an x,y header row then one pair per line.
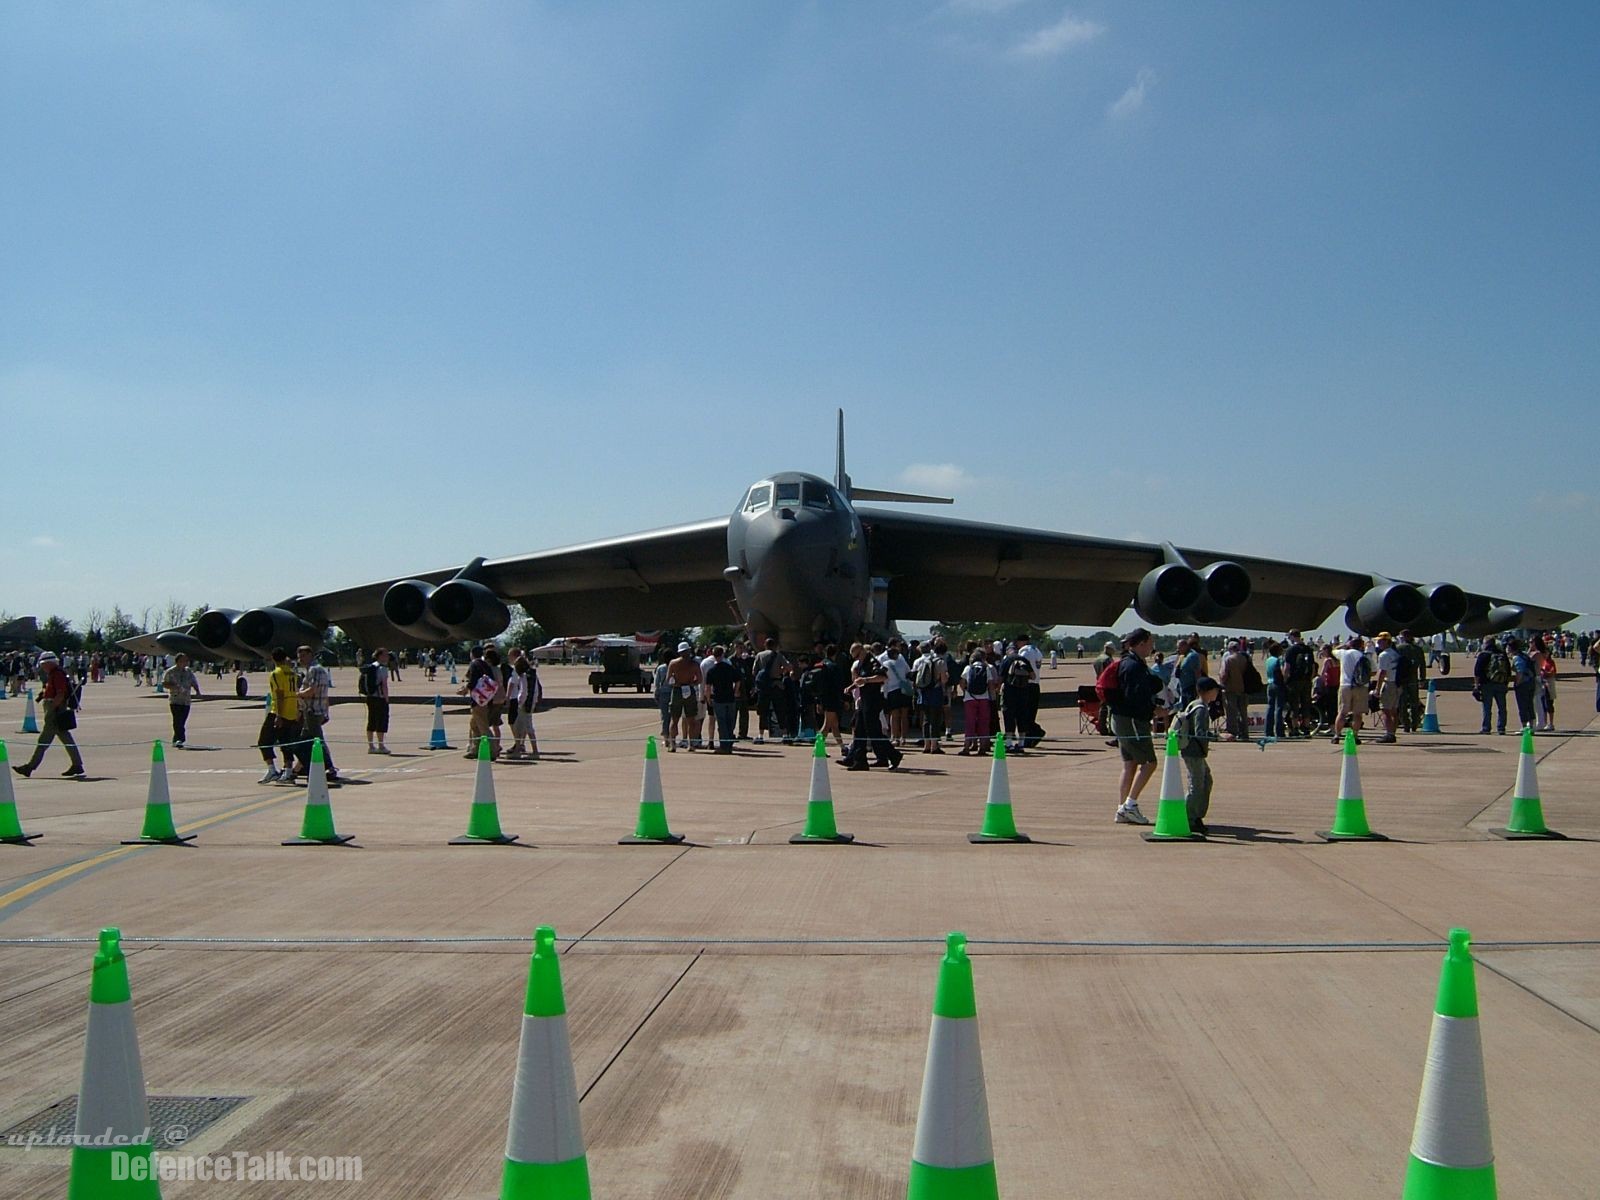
x,y
891,695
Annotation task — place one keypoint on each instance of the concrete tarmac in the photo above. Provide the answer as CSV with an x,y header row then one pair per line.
x,y
1246,1017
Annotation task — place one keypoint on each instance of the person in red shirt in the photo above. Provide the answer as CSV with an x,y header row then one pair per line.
x,y
59,718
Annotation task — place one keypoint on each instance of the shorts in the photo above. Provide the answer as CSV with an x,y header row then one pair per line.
x,y
1133,739
377,714
683,706
895,700
1352,701
1389,697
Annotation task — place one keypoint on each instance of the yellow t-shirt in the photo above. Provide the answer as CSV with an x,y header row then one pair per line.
x,y
281,686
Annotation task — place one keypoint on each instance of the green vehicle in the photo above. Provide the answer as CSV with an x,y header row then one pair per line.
x,y
619,668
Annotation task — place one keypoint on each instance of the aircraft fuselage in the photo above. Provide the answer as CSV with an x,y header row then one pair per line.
x,y
797,560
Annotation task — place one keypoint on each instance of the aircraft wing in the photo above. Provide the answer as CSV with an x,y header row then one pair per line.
x,y
665,577
944,569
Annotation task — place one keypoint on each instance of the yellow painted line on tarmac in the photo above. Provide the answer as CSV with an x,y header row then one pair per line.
x,y
7,899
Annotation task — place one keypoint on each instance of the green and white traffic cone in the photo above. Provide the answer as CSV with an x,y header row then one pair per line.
x,y
999,822
158,828
30,719
1452,1157
10,826
953,1158
821,828
651,829
1527,810
1172,810
115,1160
1350,812
317,827
545,1157
483,823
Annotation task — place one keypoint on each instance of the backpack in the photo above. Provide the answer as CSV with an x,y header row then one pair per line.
x,y
1363,671
1300,661
1251,677
1183,723
1106,685
367,681
976,679
1497,669
927,673
1019,673
73,698
811,685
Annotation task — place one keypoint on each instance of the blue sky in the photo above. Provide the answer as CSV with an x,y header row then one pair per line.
x,y
294,296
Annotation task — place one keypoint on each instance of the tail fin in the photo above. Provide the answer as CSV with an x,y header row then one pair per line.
x,y
841,480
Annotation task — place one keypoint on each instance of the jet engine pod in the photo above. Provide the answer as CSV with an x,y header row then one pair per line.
x,y
1494,620
214,629
263,629
1389,606
1227,588
1167,594
468,609
405,606
1447,604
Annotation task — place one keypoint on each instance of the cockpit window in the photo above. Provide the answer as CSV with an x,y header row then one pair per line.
x,y
818,495
789,495
759,499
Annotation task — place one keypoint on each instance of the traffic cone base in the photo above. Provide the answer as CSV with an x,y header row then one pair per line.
x,y
30,720
504,839
672,839
979,839
821,828
951,1183
177,839
436,739
338,839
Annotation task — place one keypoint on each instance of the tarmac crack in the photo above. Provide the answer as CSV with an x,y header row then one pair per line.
x,y
1361,891
1543,999
624,901
1538,760
645,1020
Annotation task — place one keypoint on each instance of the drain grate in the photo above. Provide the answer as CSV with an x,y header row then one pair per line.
x,y
174,1120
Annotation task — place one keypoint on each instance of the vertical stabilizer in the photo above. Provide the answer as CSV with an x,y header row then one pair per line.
x,y
840,479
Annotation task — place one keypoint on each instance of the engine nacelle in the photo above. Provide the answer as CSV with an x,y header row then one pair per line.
x,y
1227,588
1167,594
1447,604
214,629
468,610
183,643
405,606
1495,620
263,629
1388,607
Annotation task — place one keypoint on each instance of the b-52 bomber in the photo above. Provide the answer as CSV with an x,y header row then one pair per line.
x,y
799,560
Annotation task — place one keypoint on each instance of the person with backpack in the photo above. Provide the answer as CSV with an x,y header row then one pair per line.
x,y
1016,690
977,686
1131,695
58,717
1355,680
868,679
1299,667
1491,677
929,678
1193,726
1524,682
372,681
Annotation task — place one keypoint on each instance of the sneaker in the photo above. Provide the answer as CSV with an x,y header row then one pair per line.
x,y
271,776
1129,814
372,750
1198,827
285,779
23,770
384,750
73,773
1387,739
178,744
759,740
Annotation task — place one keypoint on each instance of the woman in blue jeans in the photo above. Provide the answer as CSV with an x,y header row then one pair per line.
x,y
1277,693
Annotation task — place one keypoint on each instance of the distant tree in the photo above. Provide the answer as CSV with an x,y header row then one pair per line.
x,y
195,613
667,647
339,646
175,613
56,633
120,625
719,635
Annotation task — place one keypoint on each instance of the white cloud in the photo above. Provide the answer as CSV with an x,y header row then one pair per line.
x,y
1563,502
1132,100
45,541
1066,33
936,477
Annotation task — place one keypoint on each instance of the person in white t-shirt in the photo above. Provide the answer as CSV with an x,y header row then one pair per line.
x,y
1388,683
1355,674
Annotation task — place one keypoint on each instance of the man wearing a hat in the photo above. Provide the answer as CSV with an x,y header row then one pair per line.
x,y
683,673
59,718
